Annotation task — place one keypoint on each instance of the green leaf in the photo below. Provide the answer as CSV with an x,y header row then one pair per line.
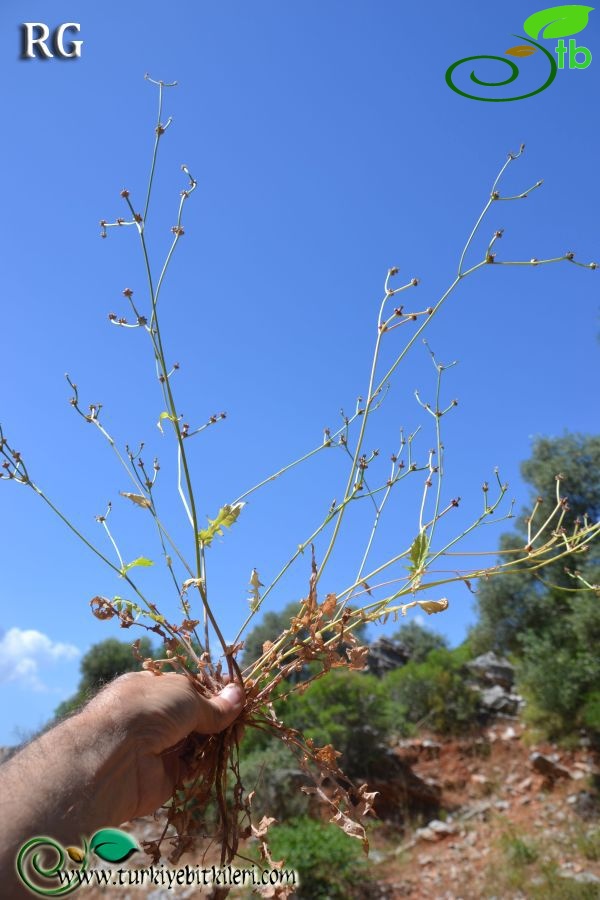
x,y
120,604
156,618
418,552
140,561
226,516
164,415
113,845
557,21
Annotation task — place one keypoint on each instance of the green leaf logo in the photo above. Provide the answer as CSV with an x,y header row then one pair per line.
x,y
113,845
557,21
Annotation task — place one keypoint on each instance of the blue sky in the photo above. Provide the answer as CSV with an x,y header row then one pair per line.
x,y
327,148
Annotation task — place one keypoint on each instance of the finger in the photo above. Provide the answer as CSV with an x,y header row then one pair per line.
x,y
220,711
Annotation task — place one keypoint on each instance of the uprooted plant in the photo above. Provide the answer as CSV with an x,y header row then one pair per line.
x,y
322,631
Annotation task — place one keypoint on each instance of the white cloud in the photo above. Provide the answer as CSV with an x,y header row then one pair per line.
x,y
24,653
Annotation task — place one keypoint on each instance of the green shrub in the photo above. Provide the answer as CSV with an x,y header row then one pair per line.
x,y
103,662
518,850
329,864
559,671
419,641
433,693
275,775
347,709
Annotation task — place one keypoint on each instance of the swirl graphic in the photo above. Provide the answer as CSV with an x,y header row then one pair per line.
x,y
26,862
514,72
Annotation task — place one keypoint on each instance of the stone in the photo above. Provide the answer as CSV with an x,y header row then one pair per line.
x,y
580,877
491,669
586,804
402,793
436,830
386,655
524,785
497,700
547,767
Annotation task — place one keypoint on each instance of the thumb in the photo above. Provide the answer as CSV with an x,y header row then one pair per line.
x,y
220,711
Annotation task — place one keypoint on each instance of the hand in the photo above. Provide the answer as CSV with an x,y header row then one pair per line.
x,y
156,714
115,760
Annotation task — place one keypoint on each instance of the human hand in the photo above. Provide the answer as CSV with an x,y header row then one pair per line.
x,y
117,759
152,716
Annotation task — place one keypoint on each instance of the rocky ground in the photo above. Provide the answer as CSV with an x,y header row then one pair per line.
x,y
489,816
515,821
518,821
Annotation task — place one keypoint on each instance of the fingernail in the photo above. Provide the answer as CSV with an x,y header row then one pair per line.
x,y
234,694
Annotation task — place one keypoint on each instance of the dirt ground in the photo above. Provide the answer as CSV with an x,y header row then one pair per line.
x,y
508,828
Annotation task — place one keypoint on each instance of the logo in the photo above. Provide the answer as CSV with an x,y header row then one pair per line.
x,y
549,24
42,859
35,34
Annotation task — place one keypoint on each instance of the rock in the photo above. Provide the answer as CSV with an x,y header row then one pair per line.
x,y
386,655
497,700
478,809
401,791
491,669
432,748
509,734
436,830
524,785
586,804
548,767
579,877
477,778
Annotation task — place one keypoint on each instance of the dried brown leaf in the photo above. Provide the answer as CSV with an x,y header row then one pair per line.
x,y
328,755
433,606
138,499
102,608
351,828
329,604
358,657
260,830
